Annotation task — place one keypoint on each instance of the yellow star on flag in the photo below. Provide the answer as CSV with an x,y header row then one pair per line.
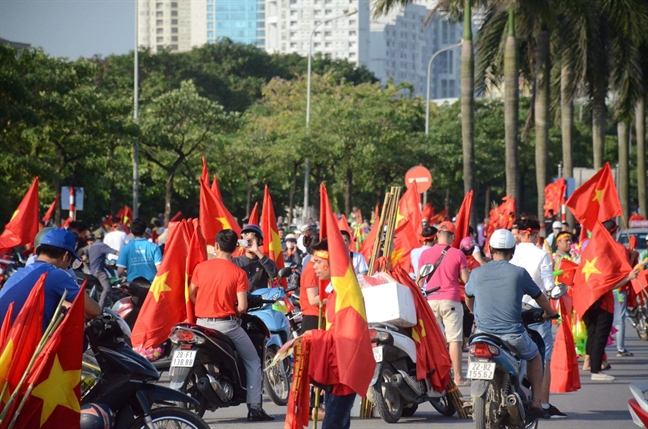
x,y
590,268
348,292
397,256
15,214
58,389
415,332
399,217
598,195
159,285
5,360
223,221
275,245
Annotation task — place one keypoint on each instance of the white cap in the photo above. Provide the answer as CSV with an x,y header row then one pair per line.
x,y
502,239
304,227
556,225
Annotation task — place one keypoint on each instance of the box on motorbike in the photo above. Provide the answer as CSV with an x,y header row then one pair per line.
x,y
390,303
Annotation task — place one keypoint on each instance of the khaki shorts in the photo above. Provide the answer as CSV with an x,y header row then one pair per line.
x,y
449,314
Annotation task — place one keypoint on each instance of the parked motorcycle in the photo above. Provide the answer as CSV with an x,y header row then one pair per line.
x,y
128,308
638,404
206,365
294,315
500,388
118,386
638,317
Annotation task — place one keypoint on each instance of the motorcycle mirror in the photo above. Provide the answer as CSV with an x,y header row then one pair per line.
x,y
285,272
426,270
558,291
292,288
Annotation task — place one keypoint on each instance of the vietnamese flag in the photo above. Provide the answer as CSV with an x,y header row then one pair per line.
x,y
565,375
409,227
6,325
554,196
367,246
596,199
603,264
254,215
641,282
462,224
196,253
567,271
428,212
50,211
23,337
55,379
23,226
165,304
271,241
344,226
214,216
344,355
126,216
439,217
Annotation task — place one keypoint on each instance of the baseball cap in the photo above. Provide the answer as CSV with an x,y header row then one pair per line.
x,y
61,238
447,227
556,225
291,237
98,233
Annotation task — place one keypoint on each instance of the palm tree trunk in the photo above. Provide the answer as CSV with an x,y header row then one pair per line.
x,y
640,125
168,197
468,105
542,116
624,176
511,102
598,121
348,190
567,127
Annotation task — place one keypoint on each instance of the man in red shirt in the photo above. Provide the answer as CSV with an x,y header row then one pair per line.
x,y
446,305
219,300
309,291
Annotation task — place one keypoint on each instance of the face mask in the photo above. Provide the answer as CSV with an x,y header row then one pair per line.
x,y
289,244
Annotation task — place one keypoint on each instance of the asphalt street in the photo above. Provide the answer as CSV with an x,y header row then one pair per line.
x,y
595,405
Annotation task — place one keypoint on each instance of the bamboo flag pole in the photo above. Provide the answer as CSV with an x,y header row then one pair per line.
x,y
317,389
376,245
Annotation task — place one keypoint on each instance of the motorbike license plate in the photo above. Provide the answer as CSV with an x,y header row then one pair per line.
x,y
481,370
378,353
184,358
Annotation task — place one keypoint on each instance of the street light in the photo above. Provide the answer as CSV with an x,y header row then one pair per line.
x,y
136,118
308,103
427,105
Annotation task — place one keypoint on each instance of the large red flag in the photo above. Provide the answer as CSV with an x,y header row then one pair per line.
x,y
603,264
23,338
271,241
254,215
596,199
6,325
165,303
344,356
564,363
368,244
462,225
55,379
50,211
23,226
554,196
196,253
409,227
214,216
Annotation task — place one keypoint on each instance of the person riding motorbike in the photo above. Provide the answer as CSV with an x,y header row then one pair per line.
x,y
494,294
258,267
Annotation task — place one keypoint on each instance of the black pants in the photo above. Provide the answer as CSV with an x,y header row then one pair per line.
x,y
308,323
599,325
468,319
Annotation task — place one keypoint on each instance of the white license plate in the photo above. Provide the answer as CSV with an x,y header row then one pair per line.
x,y
481,370
184,358
378,353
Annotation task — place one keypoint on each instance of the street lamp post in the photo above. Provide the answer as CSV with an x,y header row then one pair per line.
x,y
429,69
136,118
308,104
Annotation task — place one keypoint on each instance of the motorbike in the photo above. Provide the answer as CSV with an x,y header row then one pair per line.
x,y
500,388
8,267
638,317
118,385
394,388
128,308
206,365
638,404
294,315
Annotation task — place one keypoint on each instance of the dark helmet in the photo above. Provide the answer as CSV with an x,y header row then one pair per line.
x,y
96,416
253,228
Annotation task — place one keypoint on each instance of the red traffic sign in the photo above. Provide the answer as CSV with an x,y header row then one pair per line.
x,y
422,176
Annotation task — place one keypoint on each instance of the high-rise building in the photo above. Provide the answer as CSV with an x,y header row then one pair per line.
x,y
177,26
242,21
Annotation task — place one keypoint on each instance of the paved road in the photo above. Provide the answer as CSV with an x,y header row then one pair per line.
x,y
596,405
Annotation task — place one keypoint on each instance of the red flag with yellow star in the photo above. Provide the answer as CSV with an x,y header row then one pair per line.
x,y
367,246
54,382
462,224
196,253
271,241
213,215
554,197
23,226
254,215
409,227
6,324
603,264
344,226
165,304
565,376
344,356
566,271
596,199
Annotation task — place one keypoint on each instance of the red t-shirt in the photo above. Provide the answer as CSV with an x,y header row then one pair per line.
x,y
218,281
308,279
447,273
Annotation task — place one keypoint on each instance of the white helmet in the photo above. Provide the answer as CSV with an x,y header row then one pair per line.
x,y
502,239
556,225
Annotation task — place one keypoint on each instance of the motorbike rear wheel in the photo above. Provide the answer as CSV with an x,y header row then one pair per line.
x,y
388,400
190,387
485,407
172,417
444,406
276,380
641,322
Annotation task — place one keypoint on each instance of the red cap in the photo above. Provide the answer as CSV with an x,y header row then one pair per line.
x,y
447,226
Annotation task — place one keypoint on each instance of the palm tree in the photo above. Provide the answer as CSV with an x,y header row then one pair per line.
x,y
511,110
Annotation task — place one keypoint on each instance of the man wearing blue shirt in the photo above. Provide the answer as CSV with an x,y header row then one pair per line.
x,y
140,257
55,254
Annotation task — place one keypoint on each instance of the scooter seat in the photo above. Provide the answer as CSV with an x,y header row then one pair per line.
x,y
495,339
211,333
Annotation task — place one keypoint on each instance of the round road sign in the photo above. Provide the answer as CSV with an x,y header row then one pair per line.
x,y
422,176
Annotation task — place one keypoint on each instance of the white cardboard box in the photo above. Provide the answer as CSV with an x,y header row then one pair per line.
x,y
390,303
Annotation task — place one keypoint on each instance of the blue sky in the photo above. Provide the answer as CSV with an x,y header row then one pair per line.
x,y
70,28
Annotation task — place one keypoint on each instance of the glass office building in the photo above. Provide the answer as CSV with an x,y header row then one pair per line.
x,y
239,20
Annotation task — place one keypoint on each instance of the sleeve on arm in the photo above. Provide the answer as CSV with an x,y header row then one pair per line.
x,y
464,262
62,281
269,266
362,263
546,273
157,255
122,259
470,286
242,284
529,286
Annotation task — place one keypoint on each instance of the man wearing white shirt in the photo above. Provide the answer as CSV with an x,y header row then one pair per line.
x,y
429,239
116,238
539,266
357,260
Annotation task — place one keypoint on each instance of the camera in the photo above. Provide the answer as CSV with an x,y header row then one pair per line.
x,y
243,243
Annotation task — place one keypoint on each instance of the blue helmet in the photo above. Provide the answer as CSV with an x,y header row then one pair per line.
x,y
253,228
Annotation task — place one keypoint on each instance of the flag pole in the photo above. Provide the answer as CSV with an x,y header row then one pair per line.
x,y
317,389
